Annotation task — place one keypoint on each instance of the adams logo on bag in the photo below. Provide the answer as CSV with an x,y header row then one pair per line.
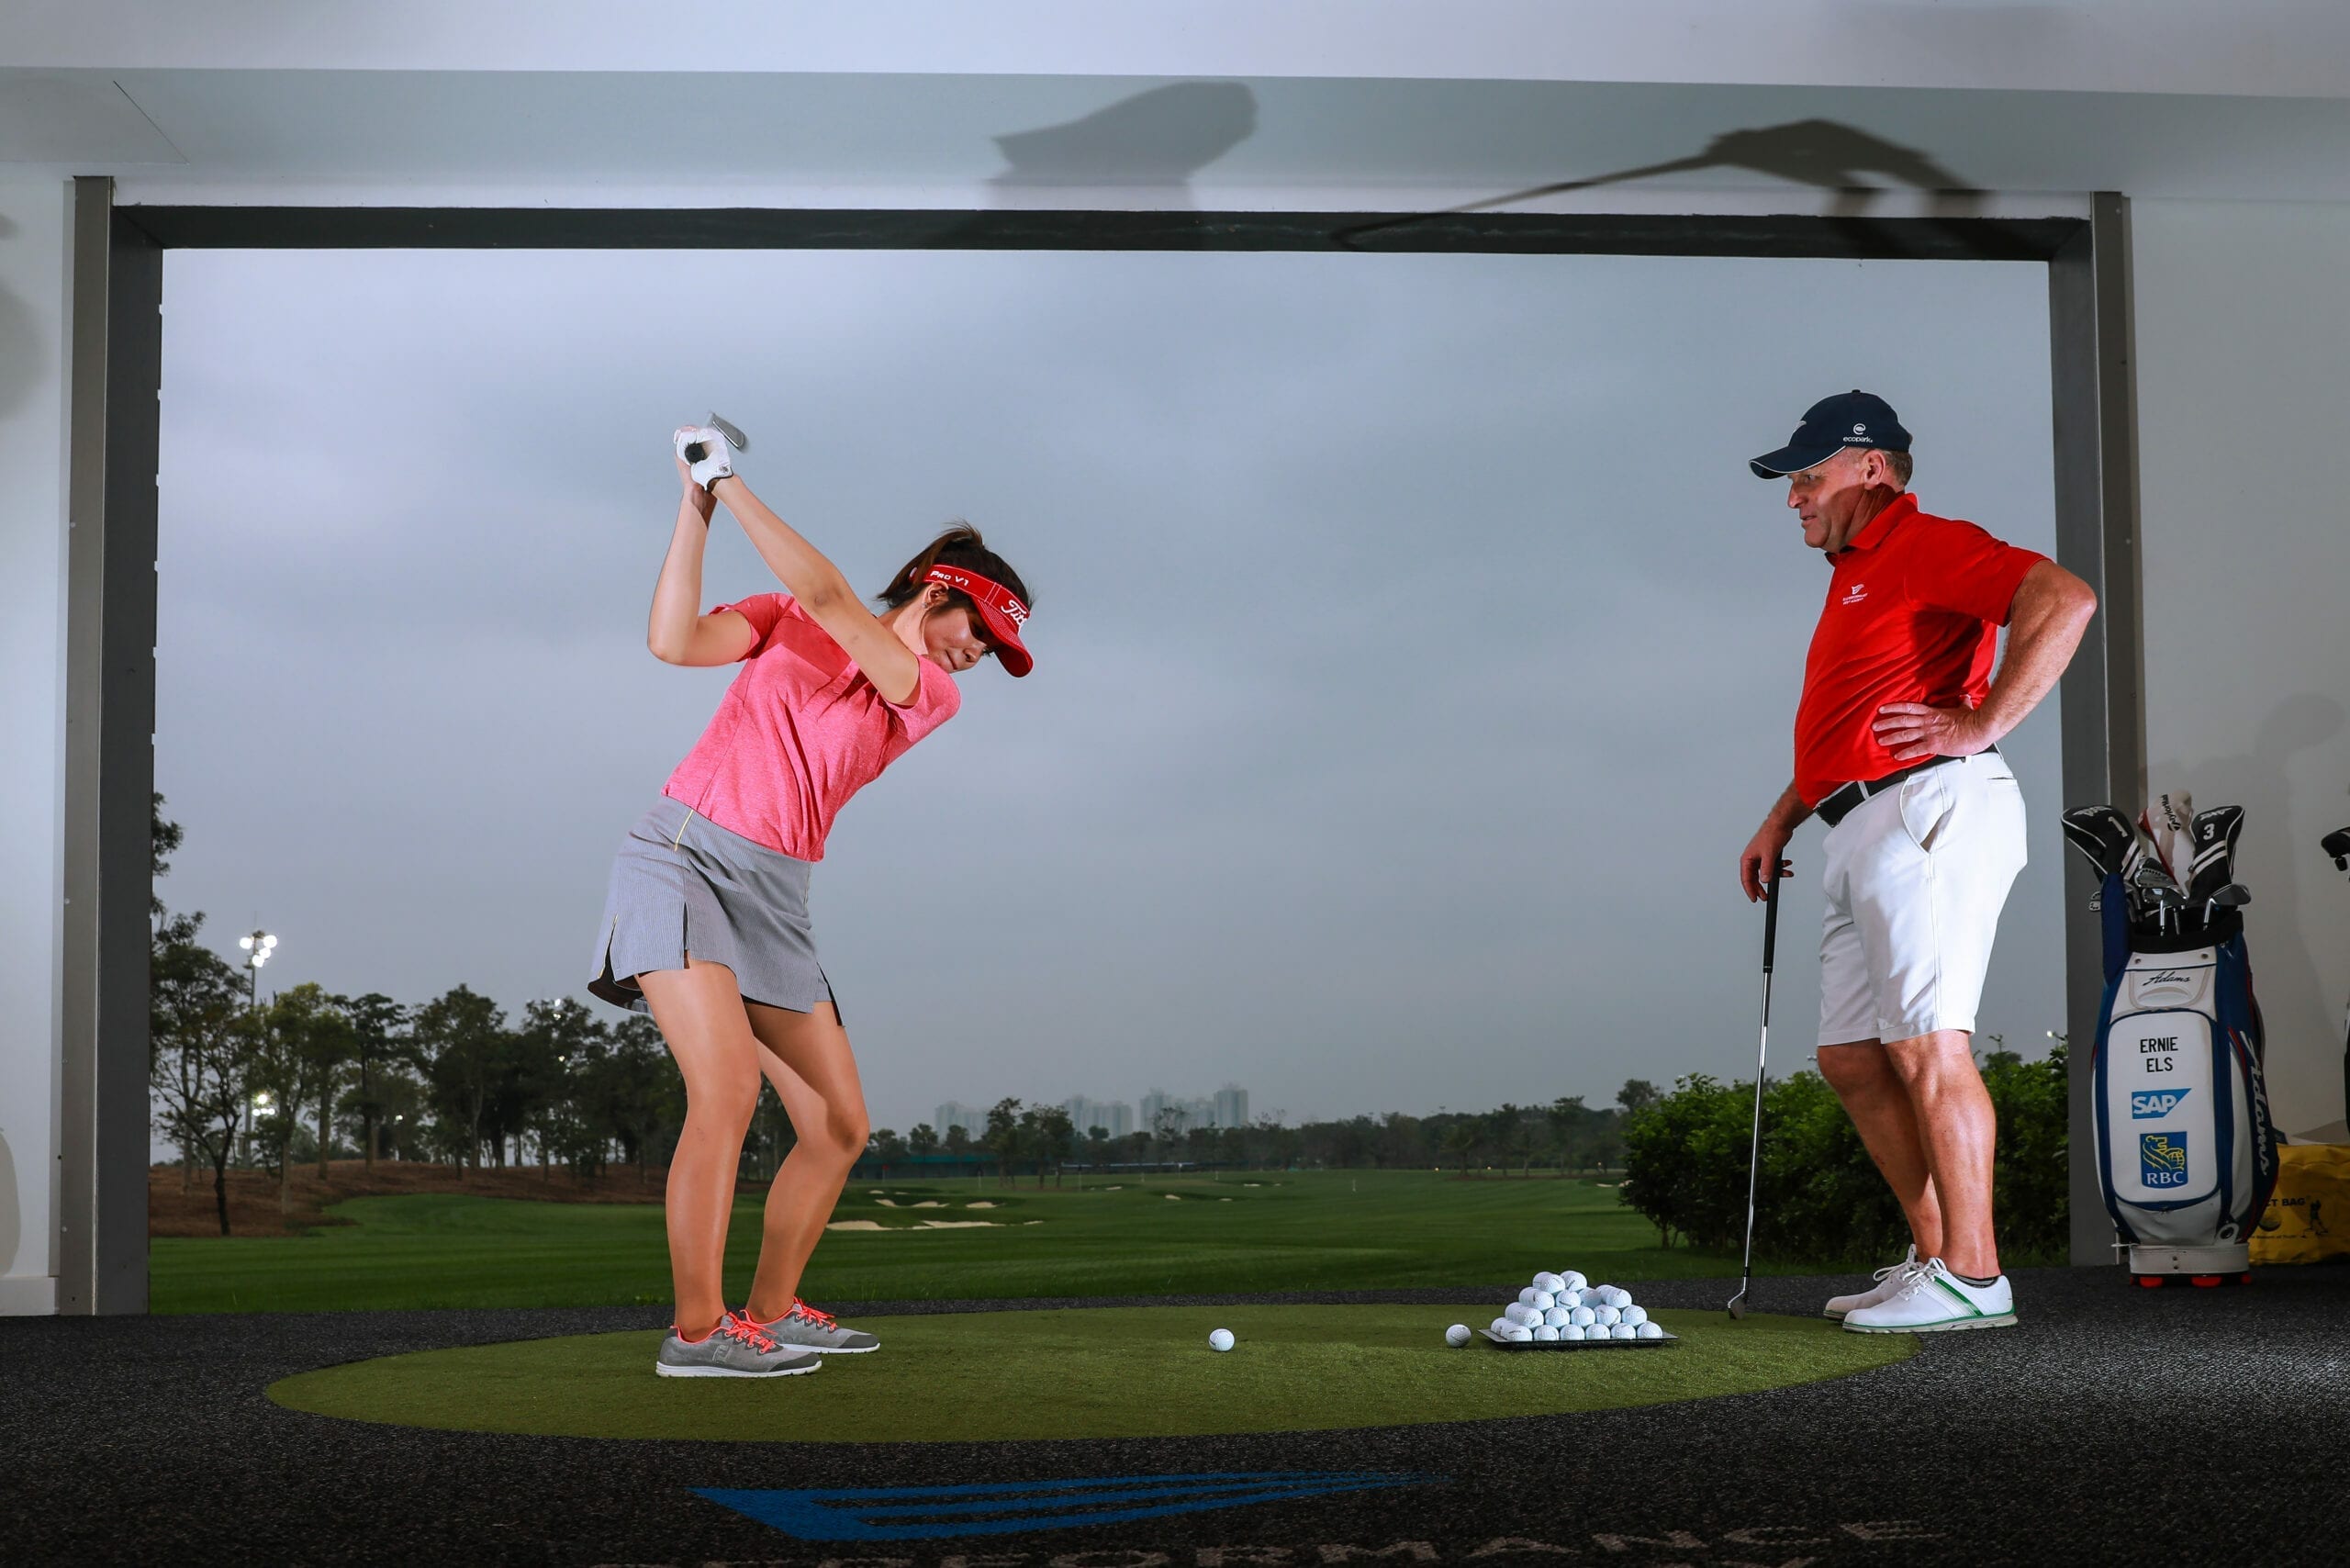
x,y
2149,1105
2162,1159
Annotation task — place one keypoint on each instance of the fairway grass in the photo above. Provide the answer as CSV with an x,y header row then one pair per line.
x,y
1096,1372
1235,1234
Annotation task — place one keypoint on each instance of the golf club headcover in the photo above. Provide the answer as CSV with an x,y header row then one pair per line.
x,y
705,453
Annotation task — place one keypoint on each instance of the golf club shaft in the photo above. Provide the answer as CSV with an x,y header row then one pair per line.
x,y
1761,1054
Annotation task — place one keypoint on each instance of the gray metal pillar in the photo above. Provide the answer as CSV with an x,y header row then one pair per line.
x,y
117,352
2093,390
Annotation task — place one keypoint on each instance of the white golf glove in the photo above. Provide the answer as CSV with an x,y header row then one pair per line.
x,y
716,459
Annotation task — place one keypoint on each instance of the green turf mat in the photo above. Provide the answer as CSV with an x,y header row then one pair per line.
x,y
1093,1372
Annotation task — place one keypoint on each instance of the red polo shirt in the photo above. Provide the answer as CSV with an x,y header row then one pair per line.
x,y
1914,606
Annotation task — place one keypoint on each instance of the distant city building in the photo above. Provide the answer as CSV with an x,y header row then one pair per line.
x,y
1227,1108
1115,1115
972,1119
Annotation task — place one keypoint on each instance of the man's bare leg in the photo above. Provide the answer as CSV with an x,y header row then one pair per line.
x,y
1958,1129
1878,1102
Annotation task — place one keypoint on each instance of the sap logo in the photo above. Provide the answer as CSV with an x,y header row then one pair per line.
x,y
2148,1105
2162,1159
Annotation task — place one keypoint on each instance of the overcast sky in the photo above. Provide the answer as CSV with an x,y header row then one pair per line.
x,y
1415,653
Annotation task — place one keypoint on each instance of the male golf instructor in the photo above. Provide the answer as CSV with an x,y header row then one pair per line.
x,y
1896,752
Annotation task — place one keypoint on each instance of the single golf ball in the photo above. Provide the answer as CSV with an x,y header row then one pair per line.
x,y
1634,1316
1502,1325
1648,1331
1558,1317
1623,1331
1546,1280
1574,1281
1457,1336
1606,1316
1519,1334
1526,1298
1521,1315
1570,1299
1618,1297
1545,1333
1584,1317
1570,1331
1543,1300
1221,1340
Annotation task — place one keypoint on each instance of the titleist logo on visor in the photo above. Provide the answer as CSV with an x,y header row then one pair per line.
x,y
995,596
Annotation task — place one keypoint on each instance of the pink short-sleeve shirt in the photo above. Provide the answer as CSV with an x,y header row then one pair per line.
x,y
800,730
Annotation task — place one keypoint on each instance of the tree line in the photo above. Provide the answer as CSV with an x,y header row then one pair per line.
x,y
309,1075
1563,1136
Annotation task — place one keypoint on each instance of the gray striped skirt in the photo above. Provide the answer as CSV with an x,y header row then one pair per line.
x,y
681,884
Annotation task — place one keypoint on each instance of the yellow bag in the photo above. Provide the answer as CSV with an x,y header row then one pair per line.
x,y
2308,1218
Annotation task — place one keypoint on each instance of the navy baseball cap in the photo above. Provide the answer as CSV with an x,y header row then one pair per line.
x,y
1848,419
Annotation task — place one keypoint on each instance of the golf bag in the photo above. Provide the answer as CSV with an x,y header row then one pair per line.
x,y
2337,844
2186,1148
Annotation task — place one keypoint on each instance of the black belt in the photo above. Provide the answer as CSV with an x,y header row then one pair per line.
x,y
1838,802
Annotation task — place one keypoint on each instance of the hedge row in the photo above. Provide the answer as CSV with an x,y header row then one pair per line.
x,y
1820,1199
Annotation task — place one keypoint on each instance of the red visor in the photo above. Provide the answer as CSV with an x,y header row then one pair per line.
x,y
1001,614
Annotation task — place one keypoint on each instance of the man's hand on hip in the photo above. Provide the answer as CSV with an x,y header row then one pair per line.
x,y
1913,732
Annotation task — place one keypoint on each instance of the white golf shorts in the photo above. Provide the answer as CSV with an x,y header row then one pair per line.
x,y
1916,877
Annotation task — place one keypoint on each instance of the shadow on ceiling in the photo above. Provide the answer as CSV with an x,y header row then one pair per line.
x,y
1151,143
1820,153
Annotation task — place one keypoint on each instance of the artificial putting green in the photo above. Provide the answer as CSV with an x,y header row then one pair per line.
x,y
1088,1373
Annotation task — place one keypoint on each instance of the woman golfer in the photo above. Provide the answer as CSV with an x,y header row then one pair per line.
x,y
705,926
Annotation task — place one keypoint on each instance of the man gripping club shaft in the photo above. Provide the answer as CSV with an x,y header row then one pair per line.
x,y
1896,753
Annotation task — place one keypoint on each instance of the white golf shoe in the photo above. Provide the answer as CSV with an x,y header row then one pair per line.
x,y
1890,1279
1931,1299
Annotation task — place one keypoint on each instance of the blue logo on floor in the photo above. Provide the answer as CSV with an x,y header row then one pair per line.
x,y
2150,1105
930,1513
2162,1159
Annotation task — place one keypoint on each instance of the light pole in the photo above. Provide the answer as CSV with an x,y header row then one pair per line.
x,y
258,947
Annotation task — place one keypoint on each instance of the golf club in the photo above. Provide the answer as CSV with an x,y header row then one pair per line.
x,y
1761,1054
2215,832
696,452
2236,895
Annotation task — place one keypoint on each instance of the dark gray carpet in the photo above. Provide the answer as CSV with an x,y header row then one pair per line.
x,y
2113,1426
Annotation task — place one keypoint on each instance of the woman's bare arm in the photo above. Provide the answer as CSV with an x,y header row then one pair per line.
x,y
894,668
677,631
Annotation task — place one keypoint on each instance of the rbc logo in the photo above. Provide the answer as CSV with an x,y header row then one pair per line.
x,y
2146,1104
2162,1159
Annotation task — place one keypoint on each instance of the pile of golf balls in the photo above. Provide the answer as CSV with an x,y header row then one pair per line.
x,y
1568,1306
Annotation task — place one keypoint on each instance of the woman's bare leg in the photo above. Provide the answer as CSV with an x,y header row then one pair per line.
x,y
806,1056
701,1016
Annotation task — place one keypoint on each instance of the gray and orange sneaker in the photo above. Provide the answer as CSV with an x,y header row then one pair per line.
x,y
736,1347
805,1328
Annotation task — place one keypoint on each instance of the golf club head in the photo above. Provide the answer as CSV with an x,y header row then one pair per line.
x,y
1737,1304
2103,835
2214,834
2337,843
731,430
2236,895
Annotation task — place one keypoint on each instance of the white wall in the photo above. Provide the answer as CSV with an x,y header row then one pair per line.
x,y
2243,418
2289,48
33,285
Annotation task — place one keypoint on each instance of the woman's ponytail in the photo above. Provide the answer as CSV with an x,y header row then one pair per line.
x,y
960,545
